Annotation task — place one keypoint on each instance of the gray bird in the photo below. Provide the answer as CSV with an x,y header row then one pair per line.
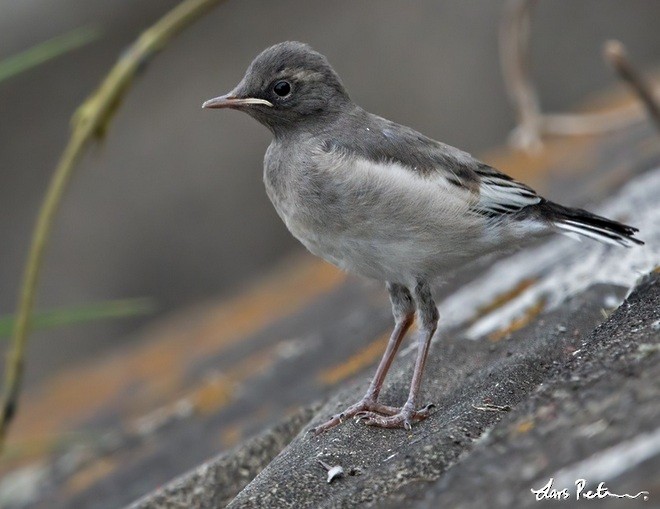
x,y
383,201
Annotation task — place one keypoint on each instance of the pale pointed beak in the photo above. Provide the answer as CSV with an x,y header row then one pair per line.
x,y
231,101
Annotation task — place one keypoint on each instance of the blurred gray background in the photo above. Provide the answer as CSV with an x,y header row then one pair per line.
x,y
172,205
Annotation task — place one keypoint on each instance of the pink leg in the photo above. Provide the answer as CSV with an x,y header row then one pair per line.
x,y
367,409
428,315
368,402
404,311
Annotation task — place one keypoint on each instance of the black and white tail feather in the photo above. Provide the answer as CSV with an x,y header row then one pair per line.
x,y
501,196
576,222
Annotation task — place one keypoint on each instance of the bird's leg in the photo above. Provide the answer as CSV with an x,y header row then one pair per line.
x,y
403,309
427,314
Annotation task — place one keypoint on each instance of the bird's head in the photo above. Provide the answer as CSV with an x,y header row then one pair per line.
x,y
287,86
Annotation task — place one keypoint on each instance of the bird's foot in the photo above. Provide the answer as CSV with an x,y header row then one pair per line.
x,y
372,413
365,404
394,417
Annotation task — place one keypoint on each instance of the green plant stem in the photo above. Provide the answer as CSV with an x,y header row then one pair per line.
x,y
64,317
47,50
90,122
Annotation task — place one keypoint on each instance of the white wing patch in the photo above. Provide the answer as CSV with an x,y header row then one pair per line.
x,y
499,194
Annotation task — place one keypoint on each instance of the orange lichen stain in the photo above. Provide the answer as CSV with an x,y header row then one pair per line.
x,y
90,474
217,391
524,427
231,435
234,433
517,324
151,374
503,298
356,363
273,298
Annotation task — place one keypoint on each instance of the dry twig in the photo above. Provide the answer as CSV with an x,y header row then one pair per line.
x,y
616,55
89,123
533,124
515,61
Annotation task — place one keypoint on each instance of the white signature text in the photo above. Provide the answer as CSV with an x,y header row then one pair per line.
x,y
549,492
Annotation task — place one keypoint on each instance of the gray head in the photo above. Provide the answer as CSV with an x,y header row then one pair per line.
x,y
288,86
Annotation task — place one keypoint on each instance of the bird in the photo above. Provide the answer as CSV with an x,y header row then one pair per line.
x,y
383,201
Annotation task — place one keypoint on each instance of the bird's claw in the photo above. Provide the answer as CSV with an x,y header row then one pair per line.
x,y
400,420
339,418
371,413
403,418
360,416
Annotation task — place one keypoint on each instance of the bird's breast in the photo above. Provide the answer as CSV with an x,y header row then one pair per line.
x,y
308,208
375,219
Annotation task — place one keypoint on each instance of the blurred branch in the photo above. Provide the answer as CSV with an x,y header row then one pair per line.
x,y
617,57
47,50
63,317
90,122
533,124
515,62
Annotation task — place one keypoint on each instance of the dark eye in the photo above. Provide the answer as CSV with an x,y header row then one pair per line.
x,y
282,88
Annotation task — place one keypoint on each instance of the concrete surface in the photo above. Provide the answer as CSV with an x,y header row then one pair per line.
x,y
509,417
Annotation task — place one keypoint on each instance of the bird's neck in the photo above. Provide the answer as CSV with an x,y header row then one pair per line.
x,y
311,125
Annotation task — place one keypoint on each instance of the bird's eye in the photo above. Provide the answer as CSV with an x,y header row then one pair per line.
x,y
282,88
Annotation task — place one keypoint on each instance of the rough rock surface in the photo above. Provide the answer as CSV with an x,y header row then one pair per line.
x,y
545,398
595,417
546,402
229,473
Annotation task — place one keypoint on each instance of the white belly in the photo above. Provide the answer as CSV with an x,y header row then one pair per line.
x,y
378,220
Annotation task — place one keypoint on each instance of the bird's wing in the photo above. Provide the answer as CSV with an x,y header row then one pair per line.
x,y
489,192
499,194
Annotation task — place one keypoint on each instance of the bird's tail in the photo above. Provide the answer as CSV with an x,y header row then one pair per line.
x,y
575,222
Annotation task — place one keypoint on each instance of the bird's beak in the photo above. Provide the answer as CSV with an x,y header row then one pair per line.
x,y
231,101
